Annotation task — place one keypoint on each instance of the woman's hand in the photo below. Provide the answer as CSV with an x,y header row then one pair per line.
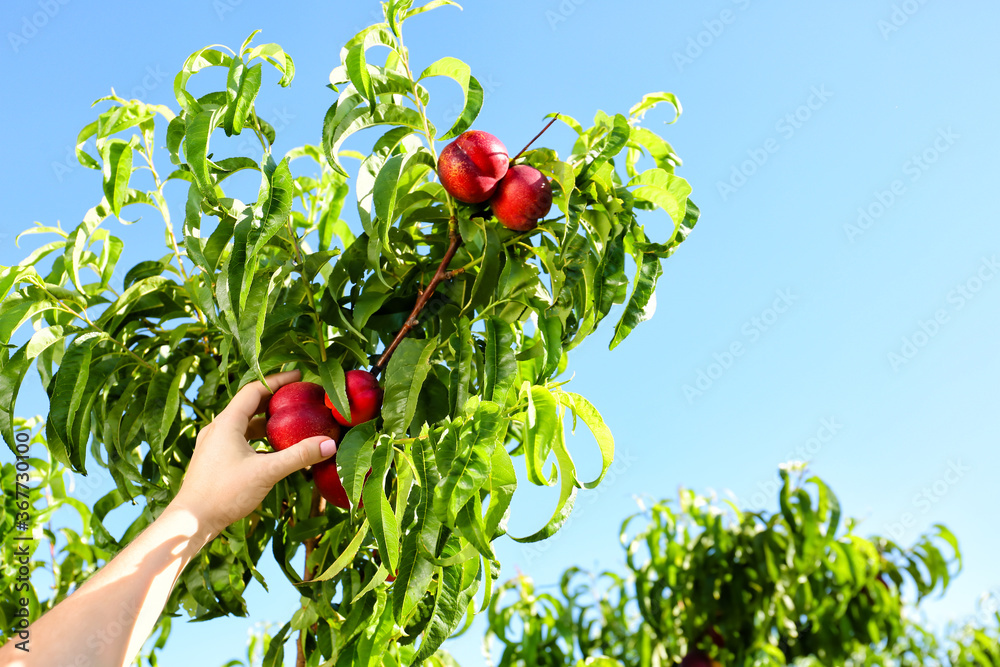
x,y
227,479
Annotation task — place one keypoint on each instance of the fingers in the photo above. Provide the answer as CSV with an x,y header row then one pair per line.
x,y
253,398
304,453
257,430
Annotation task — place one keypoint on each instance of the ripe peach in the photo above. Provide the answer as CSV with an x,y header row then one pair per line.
x,y
471,166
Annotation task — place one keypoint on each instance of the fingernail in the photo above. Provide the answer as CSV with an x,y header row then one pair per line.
x,y
328,448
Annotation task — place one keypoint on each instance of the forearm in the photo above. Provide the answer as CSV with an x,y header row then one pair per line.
x,y
107,620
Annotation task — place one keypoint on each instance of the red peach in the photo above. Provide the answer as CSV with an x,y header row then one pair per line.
x,y
363,395
523,197
471,166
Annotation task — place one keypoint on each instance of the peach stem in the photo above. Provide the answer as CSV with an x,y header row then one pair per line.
x,y
554,119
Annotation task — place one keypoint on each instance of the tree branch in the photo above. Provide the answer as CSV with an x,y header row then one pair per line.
x,y
440,275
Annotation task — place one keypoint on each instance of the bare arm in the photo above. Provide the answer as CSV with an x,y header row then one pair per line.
x,y
107,620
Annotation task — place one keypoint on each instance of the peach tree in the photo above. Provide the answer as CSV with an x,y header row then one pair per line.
x,y
467,324
706,584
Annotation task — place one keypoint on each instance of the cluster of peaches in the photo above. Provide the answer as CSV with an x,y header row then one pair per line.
x,y
302,410
475,168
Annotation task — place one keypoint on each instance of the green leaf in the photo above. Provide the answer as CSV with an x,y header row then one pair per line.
x,y
200,59
377,637
76,244
450,604
542,428
472,92
108,260
357,69
650,100
610,282
661,152
334,381
275,202
252,318
196,137
461,373
12,372
612,144
642,304
82,156
664,190
275,656
223,234
433,4
421,540
489,271
67,395
470,468
567,492
550,329
242,87
43,339
16,311
354,458
117,156
162,403
586,411
344,118
404,377
386,187
14,275
234,274
501,366
113,314
346,556
470,525
379,511
503,483
274,54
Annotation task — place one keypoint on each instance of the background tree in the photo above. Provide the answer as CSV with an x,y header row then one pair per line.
x,y
133,371
706,582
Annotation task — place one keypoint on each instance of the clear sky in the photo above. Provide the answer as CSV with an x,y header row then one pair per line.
x,y
844,159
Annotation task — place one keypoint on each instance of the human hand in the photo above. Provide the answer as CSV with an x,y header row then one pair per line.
x,y
227,479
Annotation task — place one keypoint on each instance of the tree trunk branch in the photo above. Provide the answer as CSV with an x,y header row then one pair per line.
x,y
440,275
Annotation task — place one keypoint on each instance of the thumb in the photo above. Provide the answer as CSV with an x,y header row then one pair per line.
x,y
303,453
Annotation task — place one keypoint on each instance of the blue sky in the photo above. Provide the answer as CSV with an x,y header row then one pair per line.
x,y
843,156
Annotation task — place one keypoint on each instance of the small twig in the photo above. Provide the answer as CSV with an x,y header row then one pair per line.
x,y
440,275
554,119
